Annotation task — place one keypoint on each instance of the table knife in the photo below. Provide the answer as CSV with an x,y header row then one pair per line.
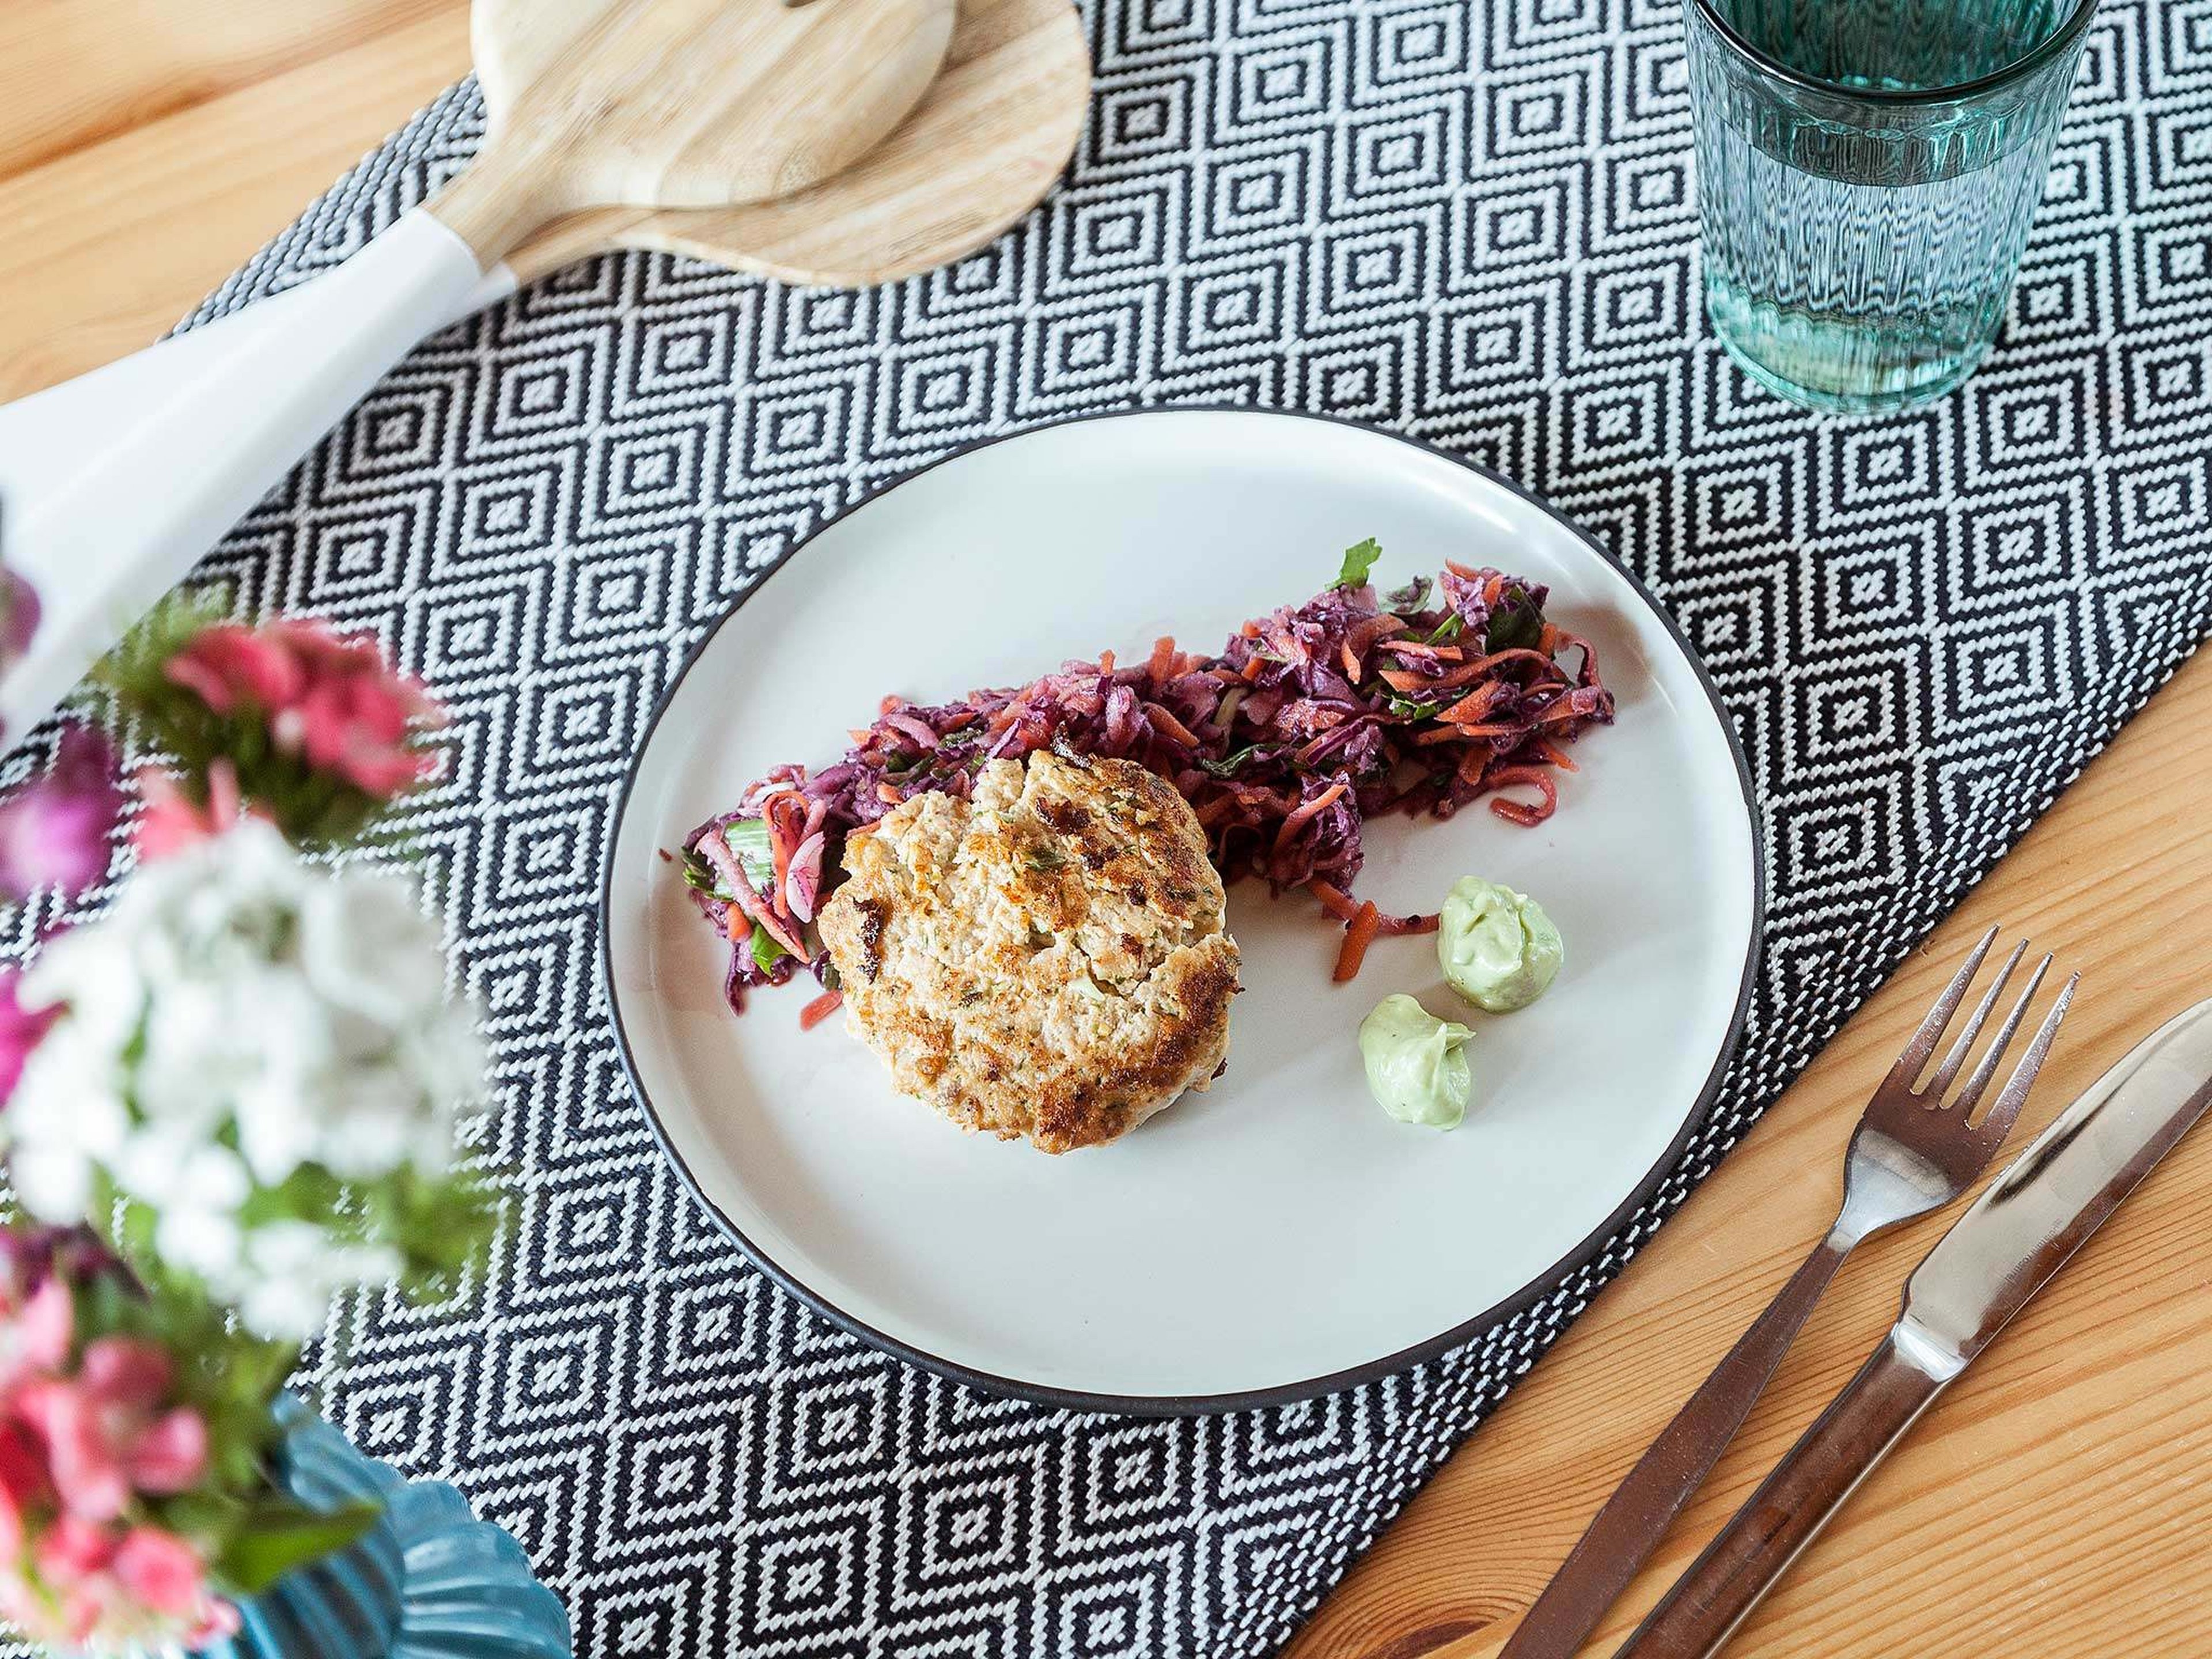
x,y
2006,1247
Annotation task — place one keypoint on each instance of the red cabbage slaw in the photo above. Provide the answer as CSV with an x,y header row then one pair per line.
x,y
1306,723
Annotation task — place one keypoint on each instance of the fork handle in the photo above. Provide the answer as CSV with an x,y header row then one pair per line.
x,y
1636,1518
1698,1616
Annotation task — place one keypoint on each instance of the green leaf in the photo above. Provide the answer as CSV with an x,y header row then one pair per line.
x,y
698,873
1446,630
1516,624
279,1535
748,838
766,951
1229,764
1413,596
1359,560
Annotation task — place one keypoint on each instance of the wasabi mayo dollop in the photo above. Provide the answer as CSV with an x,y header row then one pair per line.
x,y
1417,1065
1498,947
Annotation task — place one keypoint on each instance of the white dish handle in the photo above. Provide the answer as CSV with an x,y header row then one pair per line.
x,y
113,484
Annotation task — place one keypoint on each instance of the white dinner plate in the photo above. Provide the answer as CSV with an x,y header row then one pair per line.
x,y
1276,1236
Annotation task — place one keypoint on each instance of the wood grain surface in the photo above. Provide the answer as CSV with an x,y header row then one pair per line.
x,y
2052,1504
679,104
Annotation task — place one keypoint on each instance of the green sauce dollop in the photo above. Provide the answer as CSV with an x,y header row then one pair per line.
x,y
1416,1066
1498,947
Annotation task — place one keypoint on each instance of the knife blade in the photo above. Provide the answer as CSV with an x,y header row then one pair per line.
x,y
2049,1200
1985,1269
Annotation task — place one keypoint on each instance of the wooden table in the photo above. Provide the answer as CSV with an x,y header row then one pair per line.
x,y
2050,1504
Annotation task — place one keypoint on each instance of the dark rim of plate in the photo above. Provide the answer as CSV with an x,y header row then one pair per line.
x,y
2058,40
1535,1290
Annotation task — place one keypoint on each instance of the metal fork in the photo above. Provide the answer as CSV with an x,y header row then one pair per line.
x,y
1913,1151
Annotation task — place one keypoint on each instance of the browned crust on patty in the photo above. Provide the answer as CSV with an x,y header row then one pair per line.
x,y
1046,960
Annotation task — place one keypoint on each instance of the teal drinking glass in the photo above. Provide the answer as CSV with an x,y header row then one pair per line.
x,y
1867,171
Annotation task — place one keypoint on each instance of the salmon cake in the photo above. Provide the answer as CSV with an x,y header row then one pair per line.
x,y
1046,960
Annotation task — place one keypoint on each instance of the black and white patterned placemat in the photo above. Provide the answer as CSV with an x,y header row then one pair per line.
x,y
1471,222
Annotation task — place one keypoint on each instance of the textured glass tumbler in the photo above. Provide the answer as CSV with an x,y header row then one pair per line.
x,y
1867,171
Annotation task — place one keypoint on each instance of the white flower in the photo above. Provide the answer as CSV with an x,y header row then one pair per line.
x,y
237,1016
365,945
293,1268
64,1120
197,1228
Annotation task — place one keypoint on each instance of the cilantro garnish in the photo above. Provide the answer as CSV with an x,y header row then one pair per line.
x,y
1359,560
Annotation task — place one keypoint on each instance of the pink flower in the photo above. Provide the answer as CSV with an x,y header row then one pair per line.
x,y
159,1568
23,1485
34,1337
330,698
228,664
54,829
169,820
105,1436
21,1028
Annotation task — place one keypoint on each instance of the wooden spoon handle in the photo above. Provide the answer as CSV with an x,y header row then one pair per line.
x,y
1698,1616
104,527
1636,1518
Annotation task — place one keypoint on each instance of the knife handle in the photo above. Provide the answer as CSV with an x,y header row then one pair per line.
x,y
1636,1518
1697,1617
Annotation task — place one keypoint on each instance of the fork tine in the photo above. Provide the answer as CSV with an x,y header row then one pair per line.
x,y
1923,1040
1999,1122
1964,1045
1971,1096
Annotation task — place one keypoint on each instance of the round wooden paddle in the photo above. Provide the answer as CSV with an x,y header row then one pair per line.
x,y
980,150
638,104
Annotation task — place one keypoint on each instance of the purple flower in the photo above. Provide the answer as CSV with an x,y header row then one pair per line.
x,y
21,1028
54,830
18,617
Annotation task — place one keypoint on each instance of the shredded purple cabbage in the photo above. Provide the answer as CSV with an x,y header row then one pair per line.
x,y
1308,722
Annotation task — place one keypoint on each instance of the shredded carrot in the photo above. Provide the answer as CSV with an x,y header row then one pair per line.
x,y
1514,654
780,850
1358,934
890,702
1304,814
1399,927
1406,680
1474,706
1465,572
1254,668
1105,662
1250,630
1552,752
1365,633
1332,899
820,1009
1521,812
1169,725
1350,659
1162,665
888,793
737,926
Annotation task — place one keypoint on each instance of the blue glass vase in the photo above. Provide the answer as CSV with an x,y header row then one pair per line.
x,y
427,1581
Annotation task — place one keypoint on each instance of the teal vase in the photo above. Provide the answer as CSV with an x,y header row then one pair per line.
x,y
427,1581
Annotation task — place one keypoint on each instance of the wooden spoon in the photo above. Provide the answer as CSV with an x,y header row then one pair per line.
x,y
594,104
981,149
